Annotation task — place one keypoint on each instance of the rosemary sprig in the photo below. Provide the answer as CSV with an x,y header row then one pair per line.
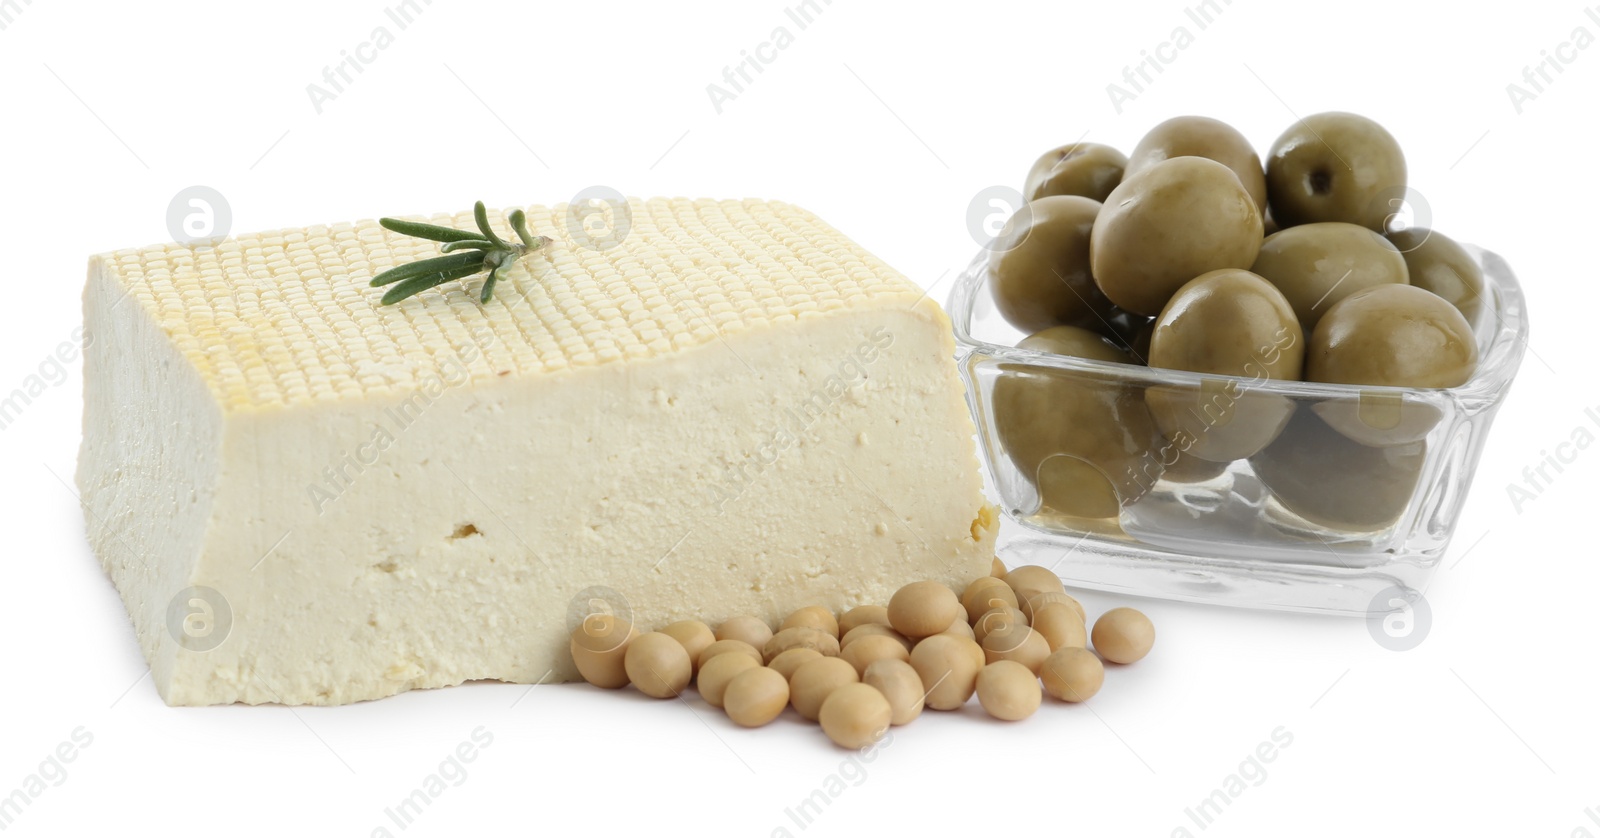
x,y
466,253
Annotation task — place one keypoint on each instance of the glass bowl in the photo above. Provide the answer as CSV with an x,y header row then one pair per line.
x,y
1349,509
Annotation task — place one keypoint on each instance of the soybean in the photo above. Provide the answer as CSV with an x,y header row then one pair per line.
x,y
787,662
694,635
1008,690
1060,626
997,618
1033,579
658,665
921,609
813,616
872,630
1017,643
1072,674
959,628
718,672
855,715
755,697
752,630
1122,635
801,637
1039,600
722,647
948,669
815,680
986,593
899,683
598,646
876,647
863,615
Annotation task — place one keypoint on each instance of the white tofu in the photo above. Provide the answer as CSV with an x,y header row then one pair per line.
x,y
307,498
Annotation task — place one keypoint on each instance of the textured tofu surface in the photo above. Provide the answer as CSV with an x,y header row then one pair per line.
x,y
286,318
306,497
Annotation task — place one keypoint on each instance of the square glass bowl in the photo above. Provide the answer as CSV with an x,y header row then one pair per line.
x,y
1349,509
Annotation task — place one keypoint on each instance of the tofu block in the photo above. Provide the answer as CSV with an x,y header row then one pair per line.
x,y
305,497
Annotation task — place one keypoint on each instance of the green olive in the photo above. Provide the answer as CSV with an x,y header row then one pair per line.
x,y
1041,266
1075,341
1392,335
1402,337
1229,322
1082,440
1087,169
1335,167
1380,416
1219,421
1317,265
1232,323
1436,262
1199,136
1167,225
1331,481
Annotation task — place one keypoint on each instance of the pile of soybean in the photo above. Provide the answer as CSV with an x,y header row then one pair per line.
x,y
1010,637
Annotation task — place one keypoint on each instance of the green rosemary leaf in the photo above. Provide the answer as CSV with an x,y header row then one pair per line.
x,y
519,222
481,213
488,286
432,232
465,253
472,258
418,284
464,244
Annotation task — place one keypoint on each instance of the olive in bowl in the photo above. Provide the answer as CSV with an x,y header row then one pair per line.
x,y
1435,262
1332,481
1389,336
1041,266
1392,336
1200,136
1335,167
1227,323
1167,225
1090,170
1081,439
1317,265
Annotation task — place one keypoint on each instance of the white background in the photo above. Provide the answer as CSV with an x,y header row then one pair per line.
x,y
885,119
